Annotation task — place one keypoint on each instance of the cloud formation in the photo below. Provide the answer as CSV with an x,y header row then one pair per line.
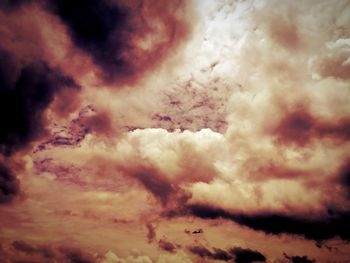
x,y
322,228
238,254
45,253
301,259
9,185
125,39
26,91
167,246
130,121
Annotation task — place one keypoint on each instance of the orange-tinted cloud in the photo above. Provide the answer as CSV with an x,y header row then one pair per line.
x,y
130,121
299,127
125,39
167,246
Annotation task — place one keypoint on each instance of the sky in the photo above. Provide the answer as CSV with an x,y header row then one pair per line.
x,y
147,131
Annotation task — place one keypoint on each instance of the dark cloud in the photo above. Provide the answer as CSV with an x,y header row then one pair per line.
x,y
299,259
91,25
166,246
201,251
28,85
24,247
166,192
239,255
26,90
52,254
220,254
90,22
344,177
29,249
299,127
316,229
9,185
111,32
244,255
75,255
13,5
151,232
322,228
159,186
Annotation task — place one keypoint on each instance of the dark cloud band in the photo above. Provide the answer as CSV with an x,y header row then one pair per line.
x,y
334,225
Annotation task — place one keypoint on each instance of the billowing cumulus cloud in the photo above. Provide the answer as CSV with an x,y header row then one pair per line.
x,y
125,122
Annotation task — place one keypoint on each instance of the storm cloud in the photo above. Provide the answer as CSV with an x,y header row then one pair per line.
x,y
124,39
235,254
